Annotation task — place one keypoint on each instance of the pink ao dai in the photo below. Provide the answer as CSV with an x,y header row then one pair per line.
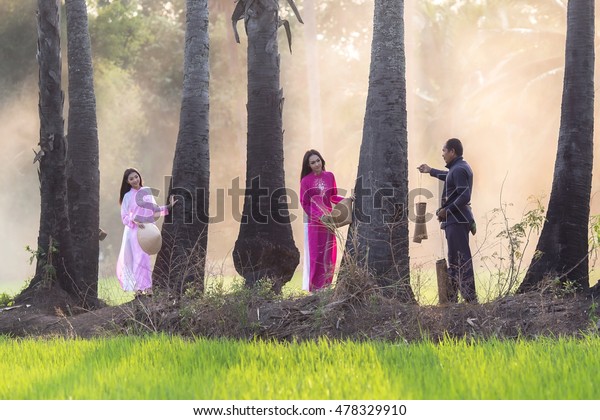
x,y
134,269
318,193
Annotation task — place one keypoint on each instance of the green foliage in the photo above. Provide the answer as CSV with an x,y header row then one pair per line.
x,y
6,300
593,316
506,266
595,225
46,260
519,232
149,45
34,253
594,238
564,288
119,32
162,367
17,51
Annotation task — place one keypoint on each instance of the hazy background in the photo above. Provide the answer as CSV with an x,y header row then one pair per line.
x,y
488,72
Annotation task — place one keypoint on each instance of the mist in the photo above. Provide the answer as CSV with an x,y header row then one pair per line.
x,y
489,74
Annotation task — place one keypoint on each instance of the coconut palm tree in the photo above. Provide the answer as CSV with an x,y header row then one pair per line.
x,y
180,262
83,174
378,238
562,250
265,246
54,269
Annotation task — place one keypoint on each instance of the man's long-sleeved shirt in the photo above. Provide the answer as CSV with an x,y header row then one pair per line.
x,y
456,196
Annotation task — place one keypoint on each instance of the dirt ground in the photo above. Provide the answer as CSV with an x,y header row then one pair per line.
x,y
325,314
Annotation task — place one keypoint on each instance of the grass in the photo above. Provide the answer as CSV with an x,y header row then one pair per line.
x,y
161,367
423,282
110,291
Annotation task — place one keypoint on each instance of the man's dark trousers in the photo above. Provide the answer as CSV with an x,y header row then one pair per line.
x,y
460,265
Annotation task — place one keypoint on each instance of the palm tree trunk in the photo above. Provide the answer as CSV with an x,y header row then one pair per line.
x,y
265,247
83,181
181,261
54,268
378,238
562,250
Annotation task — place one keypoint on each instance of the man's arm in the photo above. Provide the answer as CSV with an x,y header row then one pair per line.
x,y
439,174
436,173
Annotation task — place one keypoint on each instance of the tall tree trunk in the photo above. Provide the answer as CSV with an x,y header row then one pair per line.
x,y
83,174
562,250
181,261
54,268
265,248
378,238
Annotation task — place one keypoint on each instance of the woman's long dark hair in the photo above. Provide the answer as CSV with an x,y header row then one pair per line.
x,y
306,166
125,187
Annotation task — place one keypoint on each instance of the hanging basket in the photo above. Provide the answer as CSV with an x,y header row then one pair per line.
x,y
341,215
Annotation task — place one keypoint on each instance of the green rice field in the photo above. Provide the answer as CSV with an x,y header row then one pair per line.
x,y
162,367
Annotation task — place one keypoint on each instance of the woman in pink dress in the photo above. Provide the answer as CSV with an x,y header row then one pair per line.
x,y
318,192
137,207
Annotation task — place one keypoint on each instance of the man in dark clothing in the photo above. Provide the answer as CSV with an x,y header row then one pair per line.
x,y
457,219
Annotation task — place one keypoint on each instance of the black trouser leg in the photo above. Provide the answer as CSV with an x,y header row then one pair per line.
x,y
460,265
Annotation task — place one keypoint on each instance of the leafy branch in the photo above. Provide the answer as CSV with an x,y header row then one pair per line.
x,y
244,10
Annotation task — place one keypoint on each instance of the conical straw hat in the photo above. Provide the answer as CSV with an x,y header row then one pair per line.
x,y
149,238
